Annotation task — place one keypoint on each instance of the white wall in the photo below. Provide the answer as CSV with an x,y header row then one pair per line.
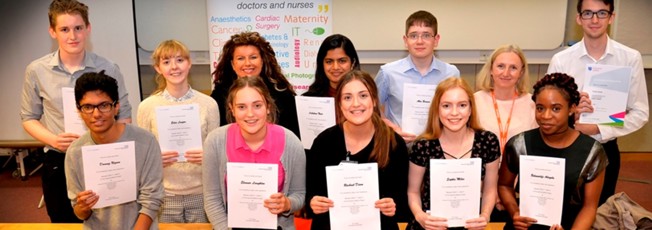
x,y
25,38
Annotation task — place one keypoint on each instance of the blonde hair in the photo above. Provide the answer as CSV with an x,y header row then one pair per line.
x,y
484,81
434,127
167,49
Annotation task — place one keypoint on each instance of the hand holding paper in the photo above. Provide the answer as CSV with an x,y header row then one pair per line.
x,y
169,157
277,203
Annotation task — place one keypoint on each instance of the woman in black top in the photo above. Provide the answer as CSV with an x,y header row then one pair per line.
x,y
249,54
363,137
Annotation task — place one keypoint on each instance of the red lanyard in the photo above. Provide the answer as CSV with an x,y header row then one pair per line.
x,y
503,132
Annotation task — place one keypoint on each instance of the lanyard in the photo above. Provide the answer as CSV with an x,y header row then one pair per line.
x,y
505,130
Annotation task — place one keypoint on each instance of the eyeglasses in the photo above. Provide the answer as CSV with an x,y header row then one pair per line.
x,y
103,107
602,14
423,36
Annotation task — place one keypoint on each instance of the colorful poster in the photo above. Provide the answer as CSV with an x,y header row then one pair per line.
x,y
294,28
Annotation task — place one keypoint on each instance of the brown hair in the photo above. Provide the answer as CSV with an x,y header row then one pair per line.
x,y
384,139
59,7
434,127
257,84
271,73
421,18
167,49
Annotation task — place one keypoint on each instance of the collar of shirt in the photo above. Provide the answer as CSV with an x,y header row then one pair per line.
x,y
241,145
55,62
408,65
171,98
608,50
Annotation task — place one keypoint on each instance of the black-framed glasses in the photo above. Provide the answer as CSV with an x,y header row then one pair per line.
x,y
602,14
102,107
423,36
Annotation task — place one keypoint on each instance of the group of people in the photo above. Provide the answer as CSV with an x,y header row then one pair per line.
x,y
250,117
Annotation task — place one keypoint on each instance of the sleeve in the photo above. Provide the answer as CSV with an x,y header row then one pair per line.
x,y
554,66
125,107
144,117
31,107
297,191
597,162
399,167
211,168
73,177
383,89
419,155
213,116
287,116
219,96
637,105
316,171
150,195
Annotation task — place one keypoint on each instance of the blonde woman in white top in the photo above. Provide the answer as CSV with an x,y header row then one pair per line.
x,y
182,181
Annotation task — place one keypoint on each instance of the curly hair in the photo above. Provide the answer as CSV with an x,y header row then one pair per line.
x,y
560,81
272,75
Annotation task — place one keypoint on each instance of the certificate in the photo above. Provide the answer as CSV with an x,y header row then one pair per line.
x,y
315,114
353,188
72,122
179,128
608,87
416,104
110,171
455,189
248,185
541,189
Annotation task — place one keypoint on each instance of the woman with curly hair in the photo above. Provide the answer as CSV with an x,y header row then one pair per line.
x,y
249,54
556,98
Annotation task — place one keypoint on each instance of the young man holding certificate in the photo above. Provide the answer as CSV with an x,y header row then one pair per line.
x,y
596,47
420,70
556,97
96,95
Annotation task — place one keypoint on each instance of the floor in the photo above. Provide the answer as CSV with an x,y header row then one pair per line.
x,y
19,199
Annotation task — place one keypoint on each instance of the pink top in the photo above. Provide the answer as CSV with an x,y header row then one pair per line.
x,y
270,152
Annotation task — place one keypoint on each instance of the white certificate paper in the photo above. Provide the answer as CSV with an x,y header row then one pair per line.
x,y
542,188
72,122
248,185
416,104
353,188
455,189
315,114
608,87
179,128
110,171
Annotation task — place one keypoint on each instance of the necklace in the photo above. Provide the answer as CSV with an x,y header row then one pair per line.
x,y
503,130
460,157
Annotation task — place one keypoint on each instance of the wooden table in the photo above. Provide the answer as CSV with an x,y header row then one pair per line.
x,y
50,226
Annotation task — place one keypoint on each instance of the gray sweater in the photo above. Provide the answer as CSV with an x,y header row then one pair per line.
x,y
149,176
214,171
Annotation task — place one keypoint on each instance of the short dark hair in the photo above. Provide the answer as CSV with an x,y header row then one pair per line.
x,y
59,7
609,3
421,17
93,81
